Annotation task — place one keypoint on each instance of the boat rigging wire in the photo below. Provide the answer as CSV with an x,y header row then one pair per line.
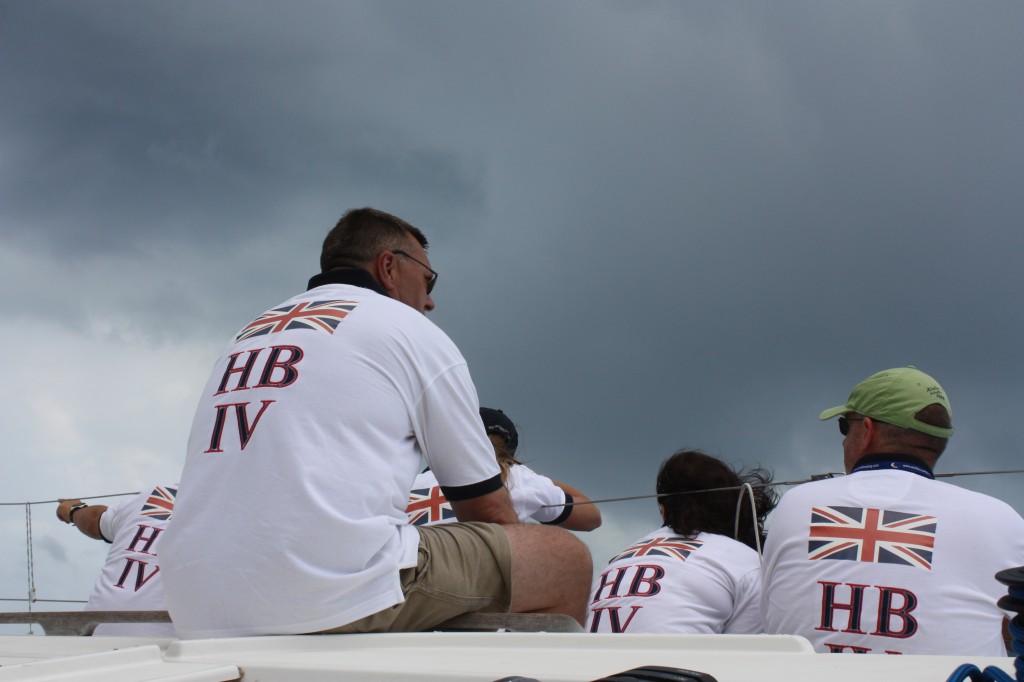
x,y
29,560
748,487
815,477
980,473
91,497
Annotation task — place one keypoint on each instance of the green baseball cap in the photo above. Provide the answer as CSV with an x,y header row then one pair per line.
x,y
894,396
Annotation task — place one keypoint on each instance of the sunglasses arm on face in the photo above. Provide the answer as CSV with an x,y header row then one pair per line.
x,y
433,274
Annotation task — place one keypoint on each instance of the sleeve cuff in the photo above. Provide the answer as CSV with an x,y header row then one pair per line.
x,y
566,511
457,493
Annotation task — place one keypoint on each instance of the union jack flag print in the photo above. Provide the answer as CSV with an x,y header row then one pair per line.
x,y
160,503
428,505
673,546
319,315
880,536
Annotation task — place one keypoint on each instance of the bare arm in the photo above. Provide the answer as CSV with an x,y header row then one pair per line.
x,y
582,516
495,507
86,519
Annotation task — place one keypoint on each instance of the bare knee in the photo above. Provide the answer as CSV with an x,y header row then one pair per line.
x,y
551,570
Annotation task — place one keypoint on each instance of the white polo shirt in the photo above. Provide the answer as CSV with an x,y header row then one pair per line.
x,y
131,578
664,582
535,497
890,562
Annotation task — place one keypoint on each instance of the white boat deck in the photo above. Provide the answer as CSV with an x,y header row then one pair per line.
x,y
453,656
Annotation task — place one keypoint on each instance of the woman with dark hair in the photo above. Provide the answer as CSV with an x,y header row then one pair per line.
x,y
700,572
534,496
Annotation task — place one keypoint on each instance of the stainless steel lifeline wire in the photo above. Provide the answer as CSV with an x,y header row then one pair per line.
x,y
747,487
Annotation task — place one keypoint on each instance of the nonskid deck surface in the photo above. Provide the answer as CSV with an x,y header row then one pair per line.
x,y
436,656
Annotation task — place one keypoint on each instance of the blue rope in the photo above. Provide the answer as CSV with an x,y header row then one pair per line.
x,y
969,671
964,672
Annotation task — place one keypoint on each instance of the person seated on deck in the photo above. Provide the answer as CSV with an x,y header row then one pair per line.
x,y
307,438
534,496
697,573
130,579
886,559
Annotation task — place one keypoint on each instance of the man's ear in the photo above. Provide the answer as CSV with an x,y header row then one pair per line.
x,y
384,271
871,435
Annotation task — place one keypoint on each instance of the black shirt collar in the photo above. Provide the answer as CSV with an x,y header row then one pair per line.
x,y
354,276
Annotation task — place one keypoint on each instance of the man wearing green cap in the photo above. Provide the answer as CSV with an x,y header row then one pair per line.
x,y
886,559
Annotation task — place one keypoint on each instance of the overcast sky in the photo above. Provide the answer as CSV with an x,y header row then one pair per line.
x,y
657,224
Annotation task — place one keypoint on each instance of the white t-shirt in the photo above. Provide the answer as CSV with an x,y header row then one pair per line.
x,y
531,494
130,580
291,514
920,553
664,582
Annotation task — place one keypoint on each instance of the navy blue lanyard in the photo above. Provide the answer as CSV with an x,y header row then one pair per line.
x,y
890,464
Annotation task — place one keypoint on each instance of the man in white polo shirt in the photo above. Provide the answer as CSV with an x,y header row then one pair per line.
x,y
886,559
130,579
291,517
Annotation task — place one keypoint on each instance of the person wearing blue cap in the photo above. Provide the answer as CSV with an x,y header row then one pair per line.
x,y
886,559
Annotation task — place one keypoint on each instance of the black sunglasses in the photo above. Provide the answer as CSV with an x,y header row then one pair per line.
x,y
844,423
433,274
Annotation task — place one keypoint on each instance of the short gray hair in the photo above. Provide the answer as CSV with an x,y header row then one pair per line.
x,y
362,234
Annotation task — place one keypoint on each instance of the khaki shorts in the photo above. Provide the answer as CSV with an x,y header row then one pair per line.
x,y
462,568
